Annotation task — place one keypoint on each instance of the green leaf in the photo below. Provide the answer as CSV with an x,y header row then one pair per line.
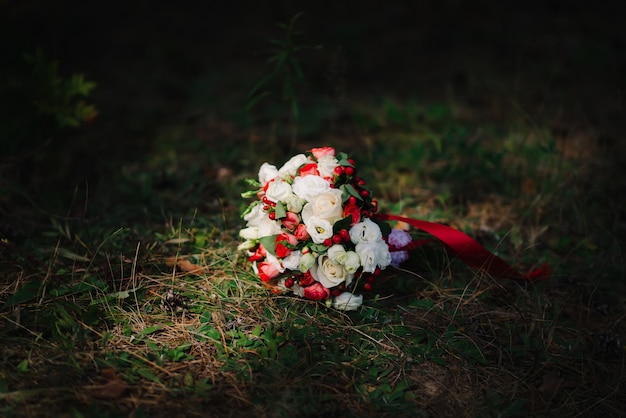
x,y
148,374
351,191
26,292
269,243
342,224
23,366
280,210
71,255
150,330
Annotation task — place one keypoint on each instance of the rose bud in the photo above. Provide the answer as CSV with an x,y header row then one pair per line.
x,y
316,291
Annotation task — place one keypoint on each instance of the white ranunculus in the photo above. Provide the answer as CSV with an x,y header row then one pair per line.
x,y
337,254
372,255
269,227
346,301
306,262
250,233
292,261
319,229
326,165
308,187
294,203
255,216
352,262
365,232
278,191
267,172
330,274
327,205
291,166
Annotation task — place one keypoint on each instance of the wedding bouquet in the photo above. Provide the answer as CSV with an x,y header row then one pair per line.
x,y
312,231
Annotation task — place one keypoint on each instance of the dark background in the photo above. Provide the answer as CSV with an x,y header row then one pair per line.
x,y
560,63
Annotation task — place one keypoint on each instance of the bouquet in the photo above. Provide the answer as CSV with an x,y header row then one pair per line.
x,y
314,230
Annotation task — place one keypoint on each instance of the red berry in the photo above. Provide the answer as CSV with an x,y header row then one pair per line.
x,y
352,200
351,161
328,242
336,292
345,235
289,282
338,170
349,170
266,208
364,193
337,239
377,271
370,279
361,182
367,286
272,215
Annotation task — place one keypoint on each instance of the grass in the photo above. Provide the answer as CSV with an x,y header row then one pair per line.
x,y
159,315
127,297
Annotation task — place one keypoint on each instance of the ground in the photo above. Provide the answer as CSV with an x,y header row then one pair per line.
x,y
122,290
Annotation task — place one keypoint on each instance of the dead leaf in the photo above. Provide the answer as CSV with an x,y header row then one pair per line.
x,y
185,265
113,388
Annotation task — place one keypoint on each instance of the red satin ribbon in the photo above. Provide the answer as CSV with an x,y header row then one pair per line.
x,y
467,250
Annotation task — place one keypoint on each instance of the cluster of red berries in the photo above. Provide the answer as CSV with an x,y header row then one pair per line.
x,y
342,236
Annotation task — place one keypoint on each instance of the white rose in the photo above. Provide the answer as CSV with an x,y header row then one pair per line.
x,y
267,172
330,274
250,233
366,231
327,205
278,191
269,227
291,166
337,254
326,165
292,261
347,301
319,229
352,262
306,262
308,187
255,216
372,255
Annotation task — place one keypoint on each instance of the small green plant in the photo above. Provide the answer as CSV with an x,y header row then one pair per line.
x,y
287,72
59,97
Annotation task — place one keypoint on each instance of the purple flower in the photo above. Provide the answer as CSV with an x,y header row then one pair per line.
x,y
398,239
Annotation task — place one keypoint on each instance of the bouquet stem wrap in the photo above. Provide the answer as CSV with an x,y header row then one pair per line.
x,y
466,249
